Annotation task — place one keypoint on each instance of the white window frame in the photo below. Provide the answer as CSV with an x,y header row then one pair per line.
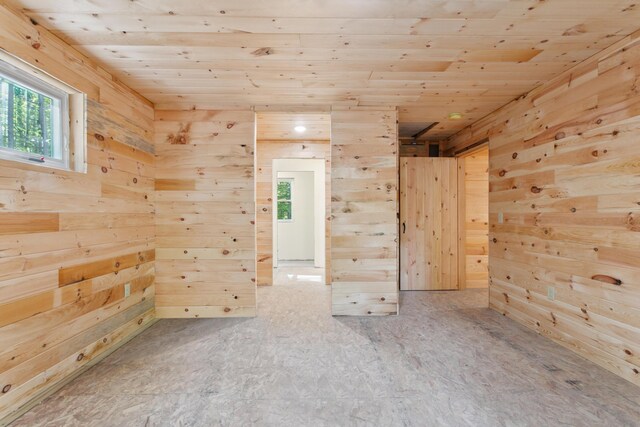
x,y
69,118
290,200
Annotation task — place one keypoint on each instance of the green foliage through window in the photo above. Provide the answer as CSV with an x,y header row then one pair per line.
x,y
27,120
284,200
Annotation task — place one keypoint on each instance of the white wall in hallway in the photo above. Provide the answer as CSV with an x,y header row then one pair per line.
x,y
296,237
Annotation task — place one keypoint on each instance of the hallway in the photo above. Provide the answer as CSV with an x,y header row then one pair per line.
x,y
297,273
443,361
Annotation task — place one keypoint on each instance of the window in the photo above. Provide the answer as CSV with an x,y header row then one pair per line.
x,y
284,199
35,115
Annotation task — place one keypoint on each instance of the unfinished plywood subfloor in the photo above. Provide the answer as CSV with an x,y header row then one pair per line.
x,y
446,360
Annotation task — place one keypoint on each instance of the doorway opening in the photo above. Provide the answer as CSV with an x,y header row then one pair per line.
x,y
293,166
298,222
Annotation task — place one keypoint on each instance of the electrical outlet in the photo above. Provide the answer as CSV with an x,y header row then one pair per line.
x,y
551,293
500,218
127,289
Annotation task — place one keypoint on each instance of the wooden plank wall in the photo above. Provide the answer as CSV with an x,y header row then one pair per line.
x,y
364,206
266,152
205,220
429,224
565,173
474,232
69,241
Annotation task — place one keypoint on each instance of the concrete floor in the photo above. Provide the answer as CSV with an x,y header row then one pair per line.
x,y
446,360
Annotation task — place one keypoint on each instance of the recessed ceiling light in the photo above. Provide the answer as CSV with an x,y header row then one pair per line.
x,y
300,128
455,116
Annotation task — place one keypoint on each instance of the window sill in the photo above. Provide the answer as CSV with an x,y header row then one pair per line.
x,y
24,163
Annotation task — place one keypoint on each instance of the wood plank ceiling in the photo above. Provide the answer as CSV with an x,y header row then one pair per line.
x,y
282,126
429,57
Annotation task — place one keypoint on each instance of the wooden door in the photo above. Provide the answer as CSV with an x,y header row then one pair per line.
x,y
428,224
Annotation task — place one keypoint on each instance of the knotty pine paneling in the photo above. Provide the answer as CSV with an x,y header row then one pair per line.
x,y
565,175
205,214
430,58
280,126
266,152
70,243
474,194
364,206
429,224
